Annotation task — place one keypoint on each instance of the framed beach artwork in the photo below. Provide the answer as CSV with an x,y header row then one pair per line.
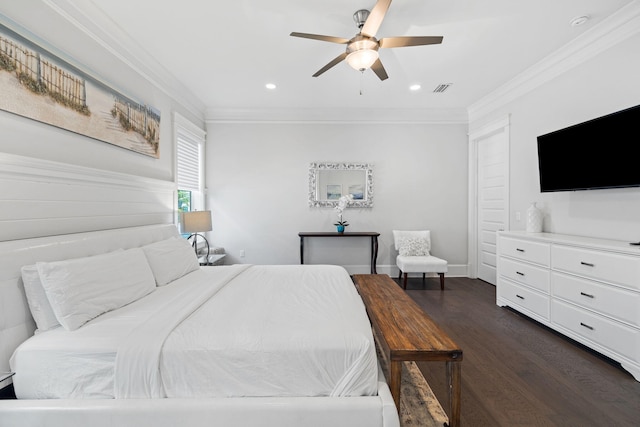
x,y
357,191
334,191
37,84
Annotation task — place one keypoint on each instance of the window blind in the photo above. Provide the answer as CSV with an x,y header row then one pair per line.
x,y
187,161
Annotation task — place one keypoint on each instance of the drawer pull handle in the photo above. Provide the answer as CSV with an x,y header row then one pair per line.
x,y
588,264
519,250
587,295
519,274
591,328
519,296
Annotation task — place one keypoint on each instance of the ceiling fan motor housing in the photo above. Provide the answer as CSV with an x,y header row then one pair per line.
x,y
360,17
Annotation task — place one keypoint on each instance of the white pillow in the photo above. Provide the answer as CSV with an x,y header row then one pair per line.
x,y
82,289
171,259
37,299
413,246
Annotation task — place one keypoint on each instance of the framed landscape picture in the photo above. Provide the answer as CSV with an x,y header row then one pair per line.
x,y
334,191
36,84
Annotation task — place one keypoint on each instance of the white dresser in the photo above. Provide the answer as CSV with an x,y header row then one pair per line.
x,y
587,289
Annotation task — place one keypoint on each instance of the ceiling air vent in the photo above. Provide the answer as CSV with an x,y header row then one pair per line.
x,y
442,87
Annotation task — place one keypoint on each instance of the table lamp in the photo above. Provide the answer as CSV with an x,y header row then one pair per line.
x,y
195,222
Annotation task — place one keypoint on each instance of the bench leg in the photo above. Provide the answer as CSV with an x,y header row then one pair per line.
x,y
441,281
395,372
404,283
454,375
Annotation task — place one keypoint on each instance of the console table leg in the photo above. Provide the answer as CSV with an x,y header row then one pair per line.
x,y
374,254
301,250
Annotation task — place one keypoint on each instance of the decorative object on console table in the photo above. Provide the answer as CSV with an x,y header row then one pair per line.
x,y
534,219
195,222
342,205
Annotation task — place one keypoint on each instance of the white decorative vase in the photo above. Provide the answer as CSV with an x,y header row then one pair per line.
x,y
534,219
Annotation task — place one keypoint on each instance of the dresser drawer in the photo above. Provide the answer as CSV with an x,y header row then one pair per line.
x,y
527,274
525,250
621,339
524,298
606,266
611,301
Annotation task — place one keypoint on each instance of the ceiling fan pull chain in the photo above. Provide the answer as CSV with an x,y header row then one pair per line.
x,y
361,82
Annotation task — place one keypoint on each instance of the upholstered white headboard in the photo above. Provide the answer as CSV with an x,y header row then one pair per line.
x,y
16,323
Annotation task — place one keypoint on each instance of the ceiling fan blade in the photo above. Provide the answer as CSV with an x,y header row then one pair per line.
x,y
370,28
331,39
379,70
337,60
389,42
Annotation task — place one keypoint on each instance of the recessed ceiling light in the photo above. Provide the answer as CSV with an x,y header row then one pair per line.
x,y
579,20
415,87
270,86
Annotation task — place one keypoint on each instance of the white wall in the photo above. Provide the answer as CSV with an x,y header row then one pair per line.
x,y
604,84
257,179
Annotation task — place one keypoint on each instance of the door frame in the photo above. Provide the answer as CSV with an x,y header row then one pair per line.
x,y
501,125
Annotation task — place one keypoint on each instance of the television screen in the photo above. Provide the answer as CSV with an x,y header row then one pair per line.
x,y
599,153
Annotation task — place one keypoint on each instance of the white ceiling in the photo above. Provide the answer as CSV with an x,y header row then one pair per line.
x,y
224,52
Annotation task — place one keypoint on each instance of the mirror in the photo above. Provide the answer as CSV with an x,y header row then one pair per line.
x,y
329,181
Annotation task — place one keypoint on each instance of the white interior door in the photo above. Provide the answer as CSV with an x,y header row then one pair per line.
x,y
492,198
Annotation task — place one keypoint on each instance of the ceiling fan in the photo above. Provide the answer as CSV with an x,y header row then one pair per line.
x,y
362,50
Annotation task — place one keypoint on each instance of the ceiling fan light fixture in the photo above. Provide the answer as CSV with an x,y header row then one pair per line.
x,y
362,52
362,59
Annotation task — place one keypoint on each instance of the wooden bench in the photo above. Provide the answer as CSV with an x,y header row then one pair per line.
x,y
406,333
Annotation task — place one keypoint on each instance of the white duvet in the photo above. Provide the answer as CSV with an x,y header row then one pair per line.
x,y
226,331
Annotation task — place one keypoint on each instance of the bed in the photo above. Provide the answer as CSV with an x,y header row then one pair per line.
x,y
216,346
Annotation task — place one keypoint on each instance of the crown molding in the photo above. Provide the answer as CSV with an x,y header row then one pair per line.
x,y
339,115
614,29
97,26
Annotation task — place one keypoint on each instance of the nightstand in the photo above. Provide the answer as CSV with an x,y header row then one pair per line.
x,y
213,259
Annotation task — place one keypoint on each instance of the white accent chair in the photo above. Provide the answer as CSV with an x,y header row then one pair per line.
x,y
414,255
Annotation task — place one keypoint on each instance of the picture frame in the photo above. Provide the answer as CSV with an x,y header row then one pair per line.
x,y
334,191
41,86
357,191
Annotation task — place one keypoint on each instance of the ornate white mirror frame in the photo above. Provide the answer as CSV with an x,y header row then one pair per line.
x,y
329,181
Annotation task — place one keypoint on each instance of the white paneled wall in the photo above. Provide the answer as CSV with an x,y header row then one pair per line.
x,y
43,198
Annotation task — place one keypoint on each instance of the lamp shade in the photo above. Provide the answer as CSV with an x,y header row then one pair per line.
x,y
196,221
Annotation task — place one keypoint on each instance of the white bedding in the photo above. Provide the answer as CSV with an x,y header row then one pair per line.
x,y
265,331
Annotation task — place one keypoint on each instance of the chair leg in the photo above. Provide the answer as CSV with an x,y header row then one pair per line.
x,y
441,281
404,283
399,274
424,276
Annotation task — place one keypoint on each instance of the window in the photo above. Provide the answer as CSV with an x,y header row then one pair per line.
x,y
184,200
190,141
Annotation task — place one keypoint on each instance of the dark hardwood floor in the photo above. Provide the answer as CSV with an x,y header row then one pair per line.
x,y
517,372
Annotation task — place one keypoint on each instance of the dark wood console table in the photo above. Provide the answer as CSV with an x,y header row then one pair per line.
x,y
371,234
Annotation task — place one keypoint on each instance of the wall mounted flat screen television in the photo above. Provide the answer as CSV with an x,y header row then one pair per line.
x,y
599,153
